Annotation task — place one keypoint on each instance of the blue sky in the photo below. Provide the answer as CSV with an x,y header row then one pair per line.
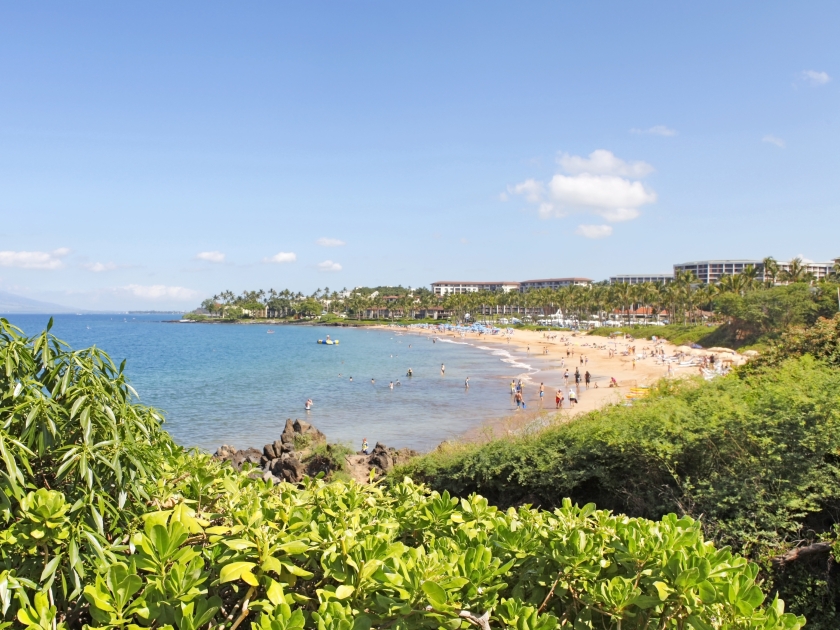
x,y
153,154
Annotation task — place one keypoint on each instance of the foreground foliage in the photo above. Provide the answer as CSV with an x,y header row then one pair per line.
x,y
756,456
108,523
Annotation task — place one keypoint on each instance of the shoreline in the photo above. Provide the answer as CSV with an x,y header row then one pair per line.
x,y
551,353
554,352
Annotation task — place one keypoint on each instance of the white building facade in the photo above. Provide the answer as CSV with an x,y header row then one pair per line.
x,y
639,278
447,287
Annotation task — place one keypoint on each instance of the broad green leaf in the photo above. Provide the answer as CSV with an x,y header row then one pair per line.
x,y
234,570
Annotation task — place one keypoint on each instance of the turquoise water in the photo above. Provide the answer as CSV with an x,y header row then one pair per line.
x,y
237,384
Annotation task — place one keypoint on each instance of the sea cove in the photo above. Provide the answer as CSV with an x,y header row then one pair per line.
x,y
237,384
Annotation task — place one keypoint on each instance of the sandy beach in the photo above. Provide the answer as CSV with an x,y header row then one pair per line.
x,y
557,351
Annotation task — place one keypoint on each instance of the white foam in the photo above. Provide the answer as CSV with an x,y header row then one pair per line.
x,y
460,343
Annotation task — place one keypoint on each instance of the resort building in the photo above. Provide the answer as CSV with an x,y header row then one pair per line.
x,y
711,271
553,283
818,270
443,288
639,278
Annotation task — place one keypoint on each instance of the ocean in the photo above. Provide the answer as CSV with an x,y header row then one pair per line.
x,y
237,384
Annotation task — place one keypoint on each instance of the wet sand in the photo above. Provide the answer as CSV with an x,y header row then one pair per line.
x,y
552,357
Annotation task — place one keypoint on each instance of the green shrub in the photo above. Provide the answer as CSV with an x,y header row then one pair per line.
x,y
754,456
109,524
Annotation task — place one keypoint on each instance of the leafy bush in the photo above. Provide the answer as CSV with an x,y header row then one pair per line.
x,y
108,523
678,334
754,456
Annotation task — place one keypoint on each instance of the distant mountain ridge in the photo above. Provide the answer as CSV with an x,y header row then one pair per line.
x,y
11,303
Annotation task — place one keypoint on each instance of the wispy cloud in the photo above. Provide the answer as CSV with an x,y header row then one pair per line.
x,y
815,77
160,291
34,260
594,231
99,267
330,242
774,140
214,256
602,162
656,130
281,257
328,265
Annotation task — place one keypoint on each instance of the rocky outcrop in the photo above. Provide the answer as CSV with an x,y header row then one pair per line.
x,y
291,459
382,458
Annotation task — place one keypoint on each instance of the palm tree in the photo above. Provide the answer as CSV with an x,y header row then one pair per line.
x,y
796,272
771,270
749,277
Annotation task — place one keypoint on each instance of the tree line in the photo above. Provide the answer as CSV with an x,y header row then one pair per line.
x,y
683,300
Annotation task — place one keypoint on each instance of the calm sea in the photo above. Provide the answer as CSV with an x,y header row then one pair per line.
x,y
237,384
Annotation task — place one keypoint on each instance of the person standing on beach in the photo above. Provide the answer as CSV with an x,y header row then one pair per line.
x,y
572,398
512,387
518,399
586,378
542,393
566,377
558,399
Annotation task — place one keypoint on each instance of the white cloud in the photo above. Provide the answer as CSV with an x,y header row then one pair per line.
x,y
602,162
281,257
600,184
594,231
774,140
532,189
159,291
99,267
214,257
328,265
503,196
330,242
601,192
34,260
657,130
816,78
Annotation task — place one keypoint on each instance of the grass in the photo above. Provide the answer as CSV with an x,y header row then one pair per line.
x,y
679,334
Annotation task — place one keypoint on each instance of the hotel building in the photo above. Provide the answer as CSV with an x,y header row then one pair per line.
x,y
553,283
446,287
711,271
639,278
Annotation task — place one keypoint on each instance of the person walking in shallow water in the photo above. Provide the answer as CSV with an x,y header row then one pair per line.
x,y
442,369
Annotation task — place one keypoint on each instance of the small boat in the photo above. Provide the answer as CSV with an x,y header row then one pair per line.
x,y
269,332
328,342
